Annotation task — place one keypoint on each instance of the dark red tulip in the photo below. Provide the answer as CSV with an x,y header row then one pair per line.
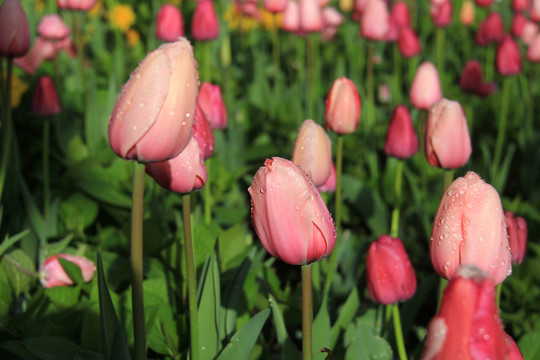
x,y
15,39
508,59
45,101
471,80
483,3
517,236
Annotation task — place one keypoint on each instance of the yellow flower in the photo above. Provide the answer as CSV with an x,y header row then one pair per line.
x,y
270,20
122,17
97,9
18,88
133,37
238,21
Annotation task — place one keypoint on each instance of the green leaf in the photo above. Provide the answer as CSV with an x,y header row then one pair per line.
x,y
12,262
105,192
11,240
346,313
57,348
64,297
242,343
113,339
72,270
5,299
529,344
78,211
288,349
362,343
321,331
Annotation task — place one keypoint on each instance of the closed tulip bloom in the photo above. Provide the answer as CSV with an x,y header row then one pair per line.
x,y
469,228
205,24
508,60
426,87
472,81
169,23
152,119
483,3
442,14
52,274
45,101
534,10
517,236
533,52
466,15
331,17
330,184
211,102
520,5
182,174
310,16
408,42
52,27
467,325
518,24
530,29
390,275
289,215
291,17
313,152
401,139
202,132
275,6
342,107
15,39
447,141
490,30
80,5
401,14
513,350
375,20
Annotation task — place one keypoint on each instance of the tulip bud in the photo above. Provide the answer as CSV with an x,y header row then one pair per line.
x,y
517,236
275,6
518,24
533,52
471,80
467,325
426,87
390,275
53,274
211,102
441,14
80,5
313,152
52,27
401,14
401,140
490,30
45,101
374,24
289,215
15,39
408,42
466,15
508,58
169,23
310,16
330,184
447,140
342,107
153,116
520,5
205,24
483,3
182,174
202,132
469,228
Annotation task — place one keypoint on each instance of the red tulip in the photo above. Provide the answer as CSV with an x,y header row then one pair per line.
x,y
330,184
409,44
441,14
15,39
81,5
471,80
517,236
289,215
53,274
513,350
390,275
520,5
211,102
426,87
447,140
508,58
52,27
490,30
342,107
205,24
400,13
374,24
467,325
469,228
169,23
154,114
484,3
401,139
518,24
184,173
313,152
202,132
466,14
45,101
392,35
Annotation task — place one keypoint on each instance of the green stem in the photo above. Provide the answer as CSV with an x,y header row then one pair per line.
x,y
80,48
501,130
394,229
442,285
137,261
208,195
498,295
370,89
310,75
46,186
19,267
191,277
490,58
207,74
397,75
398,332
307,312
448,178
7,125
440,52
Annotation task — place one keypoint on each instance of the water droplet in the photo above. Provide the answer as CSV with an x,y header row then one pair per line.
x,y
183,123
263,190
450,192
134,128
188,115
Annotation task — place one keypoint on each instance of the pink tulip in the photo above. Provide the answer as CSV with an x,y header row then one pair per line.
x,y
490,30
517,236
513,350
289,215
154,114
45,101
390,275
530,29
211,102
469,228
169,23
442,14
447,140
81,5
518,24
392,35
359,8
342,107
291,17
42,50
535,10
205,24
310,16
401,14
466,14
52,27
520,5
202,132
484,3
330,184
375,20
53,274
275,6
384,94
533,52
426,87
508,60
408,42
467,325
15,39
331,17
471,80
184,173
401,139
313,152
